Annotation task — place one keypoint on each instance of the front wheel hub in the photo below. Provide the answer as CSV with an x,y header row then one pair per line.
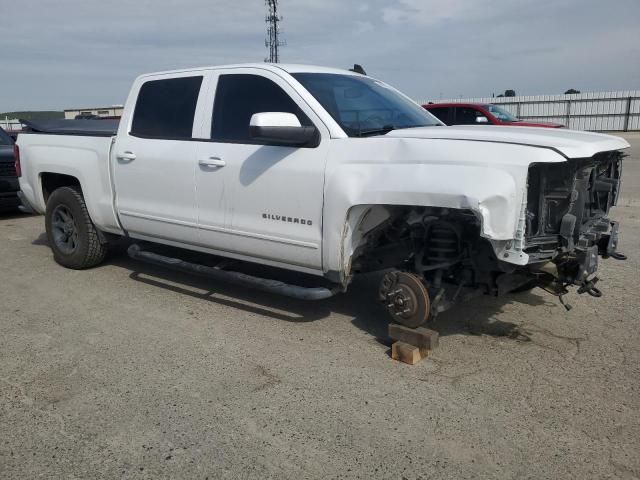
x,y
406,298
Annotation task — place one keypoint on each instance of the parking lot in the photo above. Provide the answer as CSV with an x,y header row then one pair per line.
x,y
133,371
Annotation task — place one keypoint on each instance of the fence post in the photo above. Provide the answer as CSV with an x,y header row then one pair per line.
x,y
627,115
568,113
518,109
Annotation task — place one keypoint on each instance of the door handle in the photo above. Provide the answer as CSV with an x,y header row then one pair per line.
x,y
212,162
130,156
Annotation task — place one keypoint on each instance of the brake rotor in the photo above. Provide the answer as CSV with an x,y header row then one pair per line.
x,y
406,298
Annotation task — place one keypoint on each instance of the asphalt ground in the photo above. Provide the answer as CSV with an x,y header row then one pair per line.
x,y
132,371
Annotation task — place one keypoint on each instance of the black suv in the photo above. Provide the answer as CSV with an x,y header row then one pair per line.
x,y
9,186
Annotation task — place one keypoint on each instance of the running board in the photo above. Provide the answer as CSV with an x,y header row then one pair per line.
x,y
235,278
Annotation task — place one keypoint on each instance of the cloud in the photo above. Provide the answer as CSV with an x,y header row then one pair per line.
x,y
427,12
64,53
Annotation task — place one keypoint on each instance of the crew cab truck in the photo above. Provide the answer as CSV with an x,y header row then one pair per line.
x,y
330,173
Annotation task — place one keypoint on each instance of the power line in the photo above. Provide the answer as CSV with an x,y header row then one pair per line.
x,y
273,42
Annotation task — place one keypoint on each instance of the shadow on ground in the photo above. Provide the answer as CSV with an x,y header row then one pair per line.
x,y
477,317
13,215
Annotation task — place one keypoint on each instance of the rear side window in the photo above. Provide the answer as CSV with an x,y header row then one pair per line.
x,y
442,113
166,108
238,97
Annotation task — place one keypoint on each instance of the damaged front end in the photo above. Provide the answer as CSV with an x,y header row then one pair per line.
x,y
437,257
567,223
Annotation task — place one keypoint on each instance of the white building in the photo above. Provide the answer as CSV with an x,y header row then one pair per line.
x,y
10,124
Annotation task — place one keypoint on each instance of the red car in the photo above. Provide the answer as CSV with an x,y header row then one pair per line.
x,y
480,114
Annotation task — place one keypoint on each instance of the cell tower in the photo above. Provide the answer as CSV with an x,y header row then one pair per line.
x,y
273,42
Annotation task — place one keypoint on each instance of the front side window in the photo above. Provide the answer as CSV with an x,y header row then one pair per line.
x,y
467,116
239,97
165,109
363,106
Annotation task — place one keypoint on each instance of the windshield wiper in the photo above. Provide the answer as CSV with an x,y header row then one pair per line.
x,y
389,128
420,126
375,131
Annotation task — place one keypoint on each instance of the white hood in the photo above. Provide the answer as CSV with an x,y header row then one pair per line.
x,y
569,143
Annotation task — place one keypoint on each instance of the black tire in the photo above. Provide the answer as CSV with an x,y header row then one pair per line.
x,y
72,236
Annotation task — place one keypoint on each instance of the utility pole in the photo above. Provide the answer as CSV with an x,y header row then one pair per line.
x,y
273,42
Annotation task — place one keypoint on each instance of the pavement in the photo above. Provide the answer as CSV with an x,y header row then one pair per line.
x,y
130,371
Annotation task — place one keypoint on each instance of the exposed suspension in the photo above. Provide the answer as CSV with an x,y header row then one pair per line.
x,y
442,246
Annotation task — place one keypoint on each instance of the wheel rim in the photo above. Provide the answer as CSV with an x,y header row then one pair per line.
x,y
64,229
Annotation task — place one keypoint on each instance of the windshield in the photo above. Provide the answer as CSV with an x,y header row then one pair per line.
x,y
363,106
501,113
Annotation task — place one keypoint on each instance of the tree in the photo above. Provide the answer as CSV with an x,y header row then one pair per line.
x,y
509,93
571,91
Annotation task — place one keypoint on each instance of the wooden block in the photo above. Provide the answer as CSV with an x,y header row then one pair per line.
x,y
410,354
419,337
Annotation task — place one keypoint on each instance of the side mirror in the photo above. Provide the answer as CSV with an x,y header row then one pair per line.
x,y
279,128
482,119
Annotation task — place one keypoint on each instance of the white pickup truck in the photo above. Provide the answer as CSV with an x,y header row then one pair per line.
x,y
331,173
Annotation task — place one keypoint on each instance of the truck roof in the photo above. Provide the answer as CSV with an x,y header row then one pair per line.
x,y
274,67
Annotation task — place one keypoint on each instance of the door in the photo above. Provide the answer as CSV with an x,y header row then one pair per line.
x,y
154,161
257,200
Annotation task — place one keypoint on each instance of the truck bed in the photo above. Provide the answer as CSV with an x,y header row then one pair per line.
x,y
82,156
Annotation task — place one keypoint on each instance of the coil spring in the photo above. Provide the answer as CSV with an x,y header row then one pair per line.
x,y
443,246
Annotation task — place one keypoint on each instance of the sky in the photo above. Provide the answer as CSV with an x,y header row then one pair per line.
x,y
57,54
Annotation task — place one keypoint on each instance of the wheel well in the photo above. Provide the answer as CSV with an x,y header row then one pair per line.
x,y
442,247
386,236
52,181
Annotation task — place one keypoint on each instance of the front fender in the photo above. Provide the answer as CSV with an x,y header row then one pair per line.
x,y
487,178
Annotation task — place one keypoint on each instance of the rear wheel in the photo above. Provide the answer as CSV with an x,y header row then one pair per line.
x,y
72,236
